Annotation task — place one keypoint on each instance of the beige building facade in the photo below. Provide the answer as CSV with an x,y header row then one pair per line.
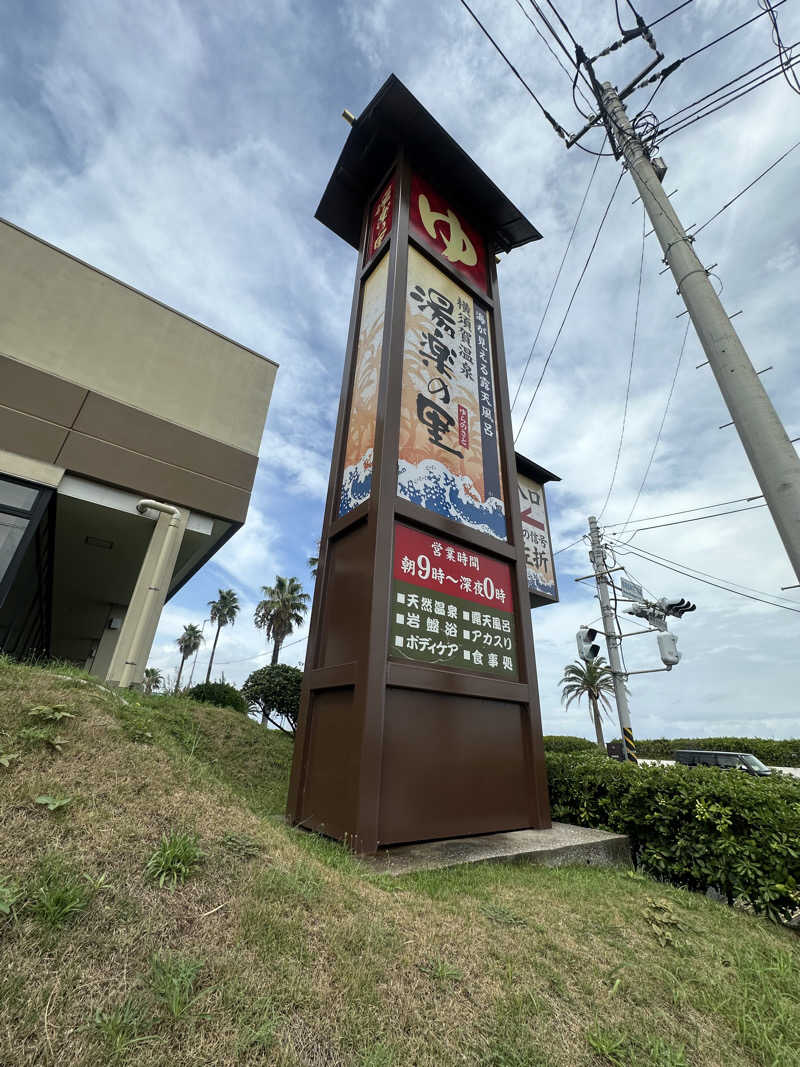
x,y
109,398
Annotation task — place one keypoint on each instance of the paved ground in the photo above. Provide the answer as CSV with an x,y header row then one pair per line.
x,y
793,771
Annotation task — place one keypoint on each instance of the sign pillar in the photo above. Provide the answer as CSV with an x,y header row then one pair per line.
x,y
419,714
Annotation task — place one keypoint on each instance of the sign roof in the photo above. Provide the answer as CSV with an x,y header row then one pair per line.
x,y
395,117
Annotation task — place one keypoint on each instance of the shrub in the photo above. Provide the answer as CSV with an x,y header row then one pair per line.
x,y
275,692
699,827
220,694
774,753
557,743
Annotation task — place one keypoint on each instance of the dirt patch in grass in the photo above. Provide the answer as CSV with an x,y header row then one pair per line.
x,y
279,949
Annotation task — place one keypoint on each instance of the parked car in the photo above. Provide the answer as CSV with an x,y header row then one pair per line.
x,y
742,761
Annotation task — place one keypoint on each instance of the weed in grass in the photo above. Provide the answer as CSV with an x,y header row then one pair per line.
x,y
7,758
606,1043
10,896
662,1054
242,845
380,1055
261,1036
120,1027
173,980
176,857
504,916
53,803
440,971
57,895
54,713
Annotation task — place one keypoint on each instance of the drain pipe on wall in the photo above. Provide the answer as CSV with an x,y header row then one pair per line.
x,y
149,594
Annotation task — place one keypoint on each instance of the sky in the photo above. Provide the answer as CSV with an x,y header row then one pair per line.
x,y
183,147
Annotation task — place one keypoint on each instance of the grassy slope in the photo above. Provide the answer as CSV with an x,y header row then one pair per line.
x,y
295,957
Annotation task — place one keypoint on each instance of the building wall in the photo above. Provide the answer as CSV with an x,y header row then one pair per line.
x,y
100,379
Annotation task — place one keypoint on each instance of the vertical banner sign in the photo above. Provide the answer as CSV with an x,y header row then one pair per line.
x,y
451,606
538,551
448,454
434,223
357,475
380,220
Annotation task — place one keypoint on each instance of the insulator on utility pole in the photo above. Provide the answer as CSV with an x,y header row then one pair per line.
x,y
775,463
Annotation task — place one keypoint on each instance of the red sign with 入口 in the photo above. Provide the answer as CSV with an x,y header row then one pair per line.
x,y
433,563
433,222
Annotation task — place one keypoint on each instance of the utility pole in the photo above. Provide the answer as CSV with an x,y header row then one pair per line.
x,y
775,463
598,561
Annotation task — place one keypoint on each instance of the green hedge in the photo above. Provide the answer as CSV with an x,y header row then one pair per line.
x,y
221,694
559,743
699,827
773,753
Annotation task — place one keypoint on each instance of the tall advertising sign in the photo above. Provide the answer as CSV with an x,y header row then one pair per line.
x,y
419,714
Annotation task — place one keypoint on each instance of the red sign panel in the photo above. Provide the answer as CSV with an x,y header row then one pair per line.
x,y
435,224
380,221
451,607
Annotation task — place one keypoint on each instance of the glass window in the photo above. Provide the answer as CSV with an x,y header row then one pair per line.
x,y
13,495
11,530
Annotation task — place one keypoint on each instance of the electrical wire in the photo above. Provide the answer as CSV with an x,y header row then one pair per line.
x,y
688,511
569,305
785,54
728,33
697,518
570,545
708,109
750,186
555,282
725,85
662,17
705,574
660,428
550,49
558,40
630,372
556,126
716,584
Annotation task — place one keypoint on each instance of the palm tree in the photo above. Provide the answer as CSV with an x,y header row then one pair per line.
x,y
594,679
223,611
282,608
313,561
188,643
153,679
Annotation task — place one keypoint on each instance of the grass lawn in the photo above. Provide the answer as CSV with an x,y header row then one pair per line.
x,y
155,910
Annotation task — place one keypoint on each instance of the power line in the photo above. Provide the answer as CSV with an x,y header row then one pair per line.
x,y
686,511
258,655
710,44
630,373
555,282
550,49
556,126
783,53
569,305
697,518
750,186
716,584
678,8
732,96
660,428
570,545
646,552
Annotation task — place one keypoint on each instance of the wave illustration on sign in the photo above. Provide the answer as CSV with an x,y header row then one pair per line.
x,y
357,474
431,485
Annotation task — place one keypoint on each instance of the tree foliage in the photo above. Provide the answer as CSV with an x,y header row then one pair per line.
x,y
275,692
221,694
283,607
223,612
593,679
188,643
153,679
